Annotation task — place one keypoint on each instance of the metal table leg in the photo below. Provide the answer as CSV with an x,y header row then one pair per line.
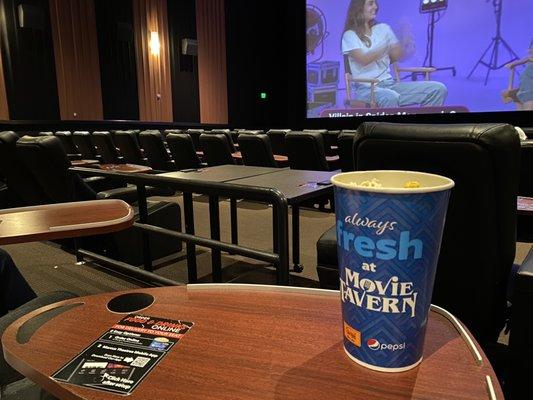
x,y
296,238
214,222
188,210
143,218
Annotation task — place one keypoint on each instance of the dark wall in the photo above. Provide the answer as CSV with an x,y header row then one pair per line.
x,y
264,42
184,68
116,47
29,64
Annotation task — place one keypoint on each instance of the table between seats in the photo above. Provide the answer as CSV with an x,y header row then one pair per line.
x,y
251,342
62,220
222,174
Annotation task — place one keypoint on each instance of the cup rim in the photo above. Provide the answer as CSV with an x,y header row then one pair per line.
x,y
447,183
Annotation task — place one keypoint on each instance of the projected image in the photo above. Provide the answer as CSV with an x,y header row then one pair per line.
x,y
390,57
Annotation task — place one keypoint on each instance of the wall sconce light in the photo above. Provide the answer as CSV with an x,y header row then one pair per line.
x,y
154,44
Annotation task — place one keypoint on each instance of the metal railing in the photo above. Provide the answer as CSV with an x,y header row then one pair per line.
x,y
214,190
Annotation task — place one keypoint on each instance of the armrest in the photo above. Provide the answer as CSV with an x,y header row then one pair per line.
x,y
365,80
128,194
74,156
416,69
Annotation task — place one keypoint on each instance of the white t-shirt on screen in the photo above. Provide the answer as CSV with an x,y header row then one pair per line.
x,y
380,69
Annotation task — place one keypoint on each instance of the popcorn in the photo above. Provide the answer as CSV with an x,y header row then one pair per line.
x,y
411,185
372,183
375,183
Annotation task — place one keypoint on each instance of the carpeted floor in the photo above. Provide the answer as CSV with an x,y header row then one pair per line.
x,y
47,267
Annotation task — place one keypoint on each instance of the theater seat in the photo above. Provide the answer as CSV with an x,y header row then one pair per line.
x,y
47,162
479,236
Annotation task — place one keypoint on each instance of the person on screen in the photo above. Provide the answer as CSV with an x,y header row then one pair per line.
x,y
14,290
371,47
525,90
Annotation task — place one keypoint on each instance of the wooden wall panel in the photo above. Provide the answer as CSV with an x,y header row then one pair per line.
x,y
4,111
153,71
77,63
212,76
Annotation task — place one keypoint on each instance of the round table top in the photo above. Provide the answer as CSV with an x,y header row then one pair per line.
x,y
251,342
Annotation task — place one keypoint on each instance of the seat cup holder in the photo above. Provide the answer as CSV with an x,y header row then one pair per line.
x,y
130,302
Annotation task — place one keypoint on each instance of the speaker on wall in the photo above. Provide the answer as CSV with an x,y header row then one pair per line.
x,y
30,16
189,47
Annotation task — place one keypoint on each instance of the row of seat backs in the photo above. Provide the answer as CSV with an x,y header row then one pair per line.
x,y
131,143
37,170
479,240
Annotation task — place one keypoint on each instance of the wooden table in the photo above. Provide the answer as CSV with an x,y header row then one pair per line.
x,y
82,163
251,342
55,221
127,168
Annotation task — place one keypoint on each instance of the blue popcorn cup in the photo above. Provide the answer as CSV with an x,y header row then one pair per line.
x,y
388,243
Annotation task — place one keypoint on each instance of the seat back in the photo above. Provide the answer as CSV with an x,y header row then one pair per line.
x,y
277,140
345,144
478,245
195,136
183,152
84,142
106,147
45,157
227,133
306,151
155,151
18,177
256,150
129,147
217,150
67,142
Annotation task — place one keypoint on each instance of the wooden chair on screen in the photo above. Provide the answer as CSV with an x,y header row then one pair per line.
x,y
509,95
397,70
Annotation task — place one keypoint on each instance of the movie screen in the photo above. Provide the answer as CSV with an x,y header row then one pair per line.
x,y
397,57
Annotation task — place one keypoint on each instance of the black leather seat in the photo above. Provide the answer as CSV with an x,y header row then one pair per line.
x,y
217,150
478,245
68,144
195,136
330,139
277,140
128,144
345,145
306,151
183,152
155,151
229,137
45,158
23,187
84,142
105,147
167,131
256,150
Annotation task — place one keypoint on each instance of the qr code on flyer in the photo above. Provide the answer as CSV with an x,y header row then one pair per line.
x,y
140,362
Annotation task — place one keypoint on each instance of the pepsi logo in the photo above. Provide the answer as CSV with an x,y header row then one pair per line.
x,y
373,344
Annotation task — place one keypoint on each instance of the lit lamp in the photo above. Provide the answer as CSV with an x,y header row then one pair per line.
x,y
154,44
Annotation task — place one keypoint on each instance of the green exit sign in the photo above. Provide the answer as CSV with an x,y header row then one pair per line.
x,y
263,95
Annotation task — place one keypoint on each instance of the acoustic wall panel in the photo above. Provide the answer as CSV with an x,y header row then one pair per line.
x,y
28,60
153,62
212,77
77,64
4,110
